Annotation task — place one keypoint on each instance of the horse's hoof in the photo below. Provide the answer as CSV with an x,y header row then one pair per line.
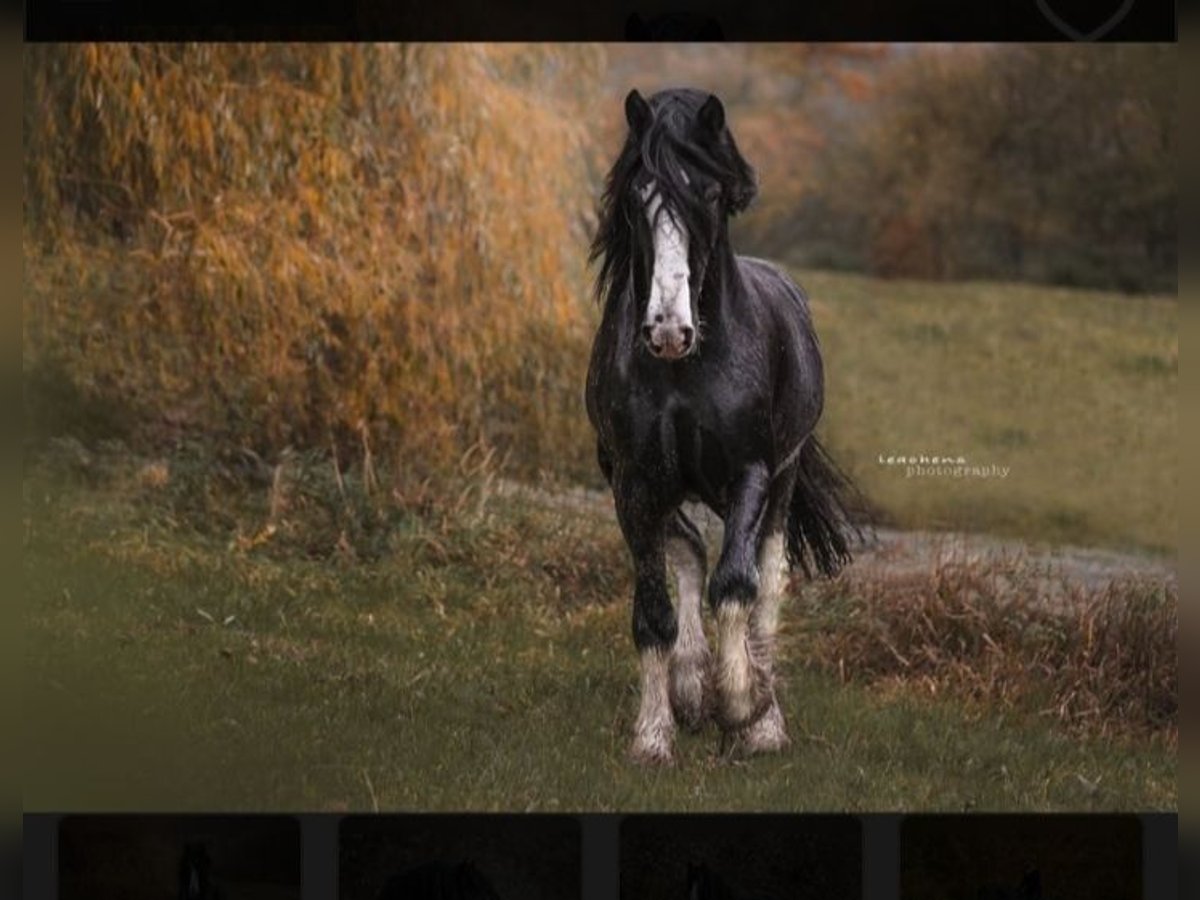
x,y
651,755
766,735
737,713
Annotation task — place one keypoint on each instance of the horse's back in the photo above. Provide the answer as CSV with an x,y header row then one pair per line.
x,y
800,378
774,286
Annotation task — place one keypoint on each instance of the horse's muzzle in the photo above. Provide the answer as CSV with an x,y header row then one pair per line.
x,y
669,342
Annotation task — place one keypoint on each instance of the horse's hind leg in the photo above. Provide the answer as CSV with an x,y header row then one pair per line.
x,y
690,659
768,733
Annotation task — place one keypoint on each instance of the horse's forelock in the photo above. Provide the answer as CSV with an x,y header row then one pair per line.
x,y
667,147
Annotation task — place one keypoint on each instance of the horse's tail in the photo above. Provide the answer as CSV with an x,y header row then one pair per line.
x,y
819,525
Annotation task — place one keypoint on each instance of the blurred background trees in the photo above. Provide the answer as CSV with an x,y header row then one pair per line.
x,y
352,246
1041,163
1045,163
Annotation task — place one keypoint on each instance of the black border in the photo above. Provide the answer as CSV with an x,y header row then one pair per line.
x,y
319,837
589,20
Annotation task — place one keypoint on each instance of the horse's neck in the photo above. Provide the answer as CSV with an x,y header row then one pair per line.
x,y
722,284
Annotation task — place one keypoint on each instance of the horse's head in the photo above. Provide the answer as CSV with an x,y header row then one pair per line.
x,y
666,208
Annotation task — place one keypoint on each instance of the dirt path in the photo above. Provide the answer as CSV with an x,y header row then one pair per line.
x,y
1057,569
1086,566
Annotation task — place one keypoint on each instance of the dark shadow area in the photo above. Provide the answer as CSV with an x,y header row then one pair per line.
x,y
741,857
475,857
200,857
55,404
1021,857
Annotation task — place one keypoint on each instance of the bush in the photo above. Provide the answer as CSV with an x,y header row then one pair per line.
x,y
310,245
1099,659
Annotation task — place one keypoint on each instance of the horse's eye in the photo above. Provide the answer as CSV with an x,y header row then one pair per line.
x,y
712,193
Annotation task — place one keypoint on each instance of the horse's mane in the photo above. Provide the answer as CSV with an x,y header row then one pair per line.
x,y
669,142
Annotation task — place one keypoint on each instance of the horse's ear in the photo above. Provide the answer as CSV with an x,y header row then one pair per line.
x,y
712,115
637,112
636,28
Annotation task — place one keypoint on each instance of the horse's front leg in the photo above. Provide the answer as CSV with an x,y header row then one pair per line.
x,y
654,623
690,660
743,679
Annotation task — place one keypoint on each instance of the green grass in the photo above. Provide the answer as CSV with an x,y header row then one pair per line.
x,y
457,652
476,661
1075,391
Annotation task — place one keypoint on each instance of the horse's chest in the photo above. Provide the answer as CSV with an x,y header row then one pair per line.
x,y
697,446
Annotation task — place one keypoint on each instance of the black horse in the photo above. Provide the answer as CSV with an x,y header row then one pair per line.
x,y
439,881
705,383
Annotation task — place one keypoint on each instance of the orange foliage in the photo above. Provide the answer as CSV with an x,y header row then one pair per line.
x,y
281,243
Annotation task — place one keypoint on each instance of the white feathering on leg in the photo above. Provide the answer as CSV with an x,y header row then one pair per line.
x,y
690,657
654,732
735,675
769,732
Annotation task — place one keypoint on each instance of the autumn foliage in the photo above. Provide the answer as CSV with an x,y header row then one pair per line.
x,y
383,247
313,245
1052,164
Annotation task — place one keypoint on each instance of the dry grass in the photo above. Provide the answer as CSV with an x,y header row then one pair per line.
x,y
1100,661
302,244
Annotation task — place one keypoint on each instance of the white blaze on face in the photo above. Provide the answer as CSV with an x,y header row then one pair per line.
x,y
669,312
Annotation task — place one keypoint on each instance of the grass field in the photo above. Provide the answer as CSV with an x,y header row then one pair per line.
x,y
480,665
206,632
1075,392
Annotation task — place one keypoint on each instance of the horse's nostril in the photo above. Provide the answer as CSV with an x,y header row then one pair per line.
x,y
688,334
659,318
